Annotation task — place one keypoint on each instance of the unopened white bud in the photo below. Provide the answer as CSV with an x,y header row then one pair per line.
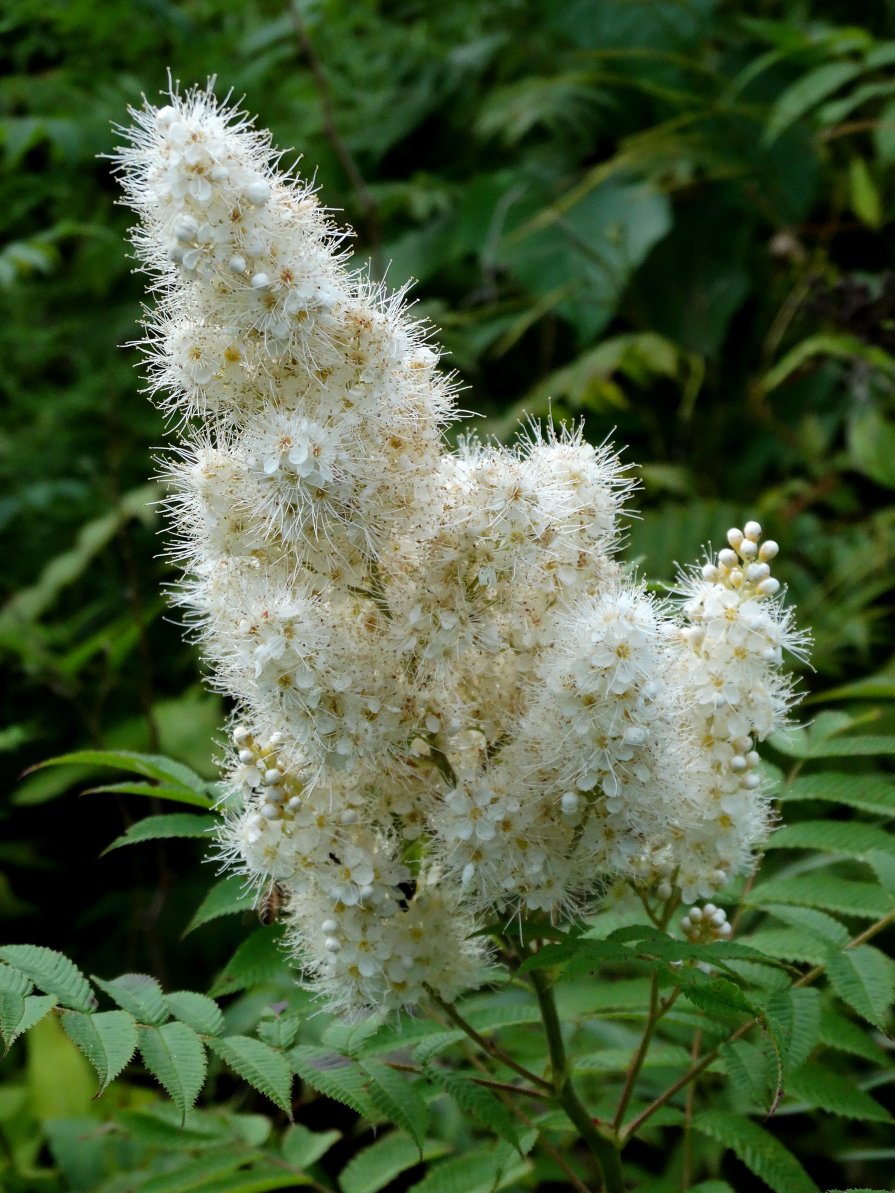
x,y
738,763
728,558
748,550
257,192
270,811
247,757
240,734
752,530
570,803
769,587
735,537
165,117
260,281
768,550
329,927
332,944
664,890
757,571
710,572
237,264
695,914
272,777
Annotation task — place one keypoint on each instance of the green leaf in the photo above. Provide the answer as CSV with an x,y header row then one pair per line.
x,y
155,828
851,838
824,1089
868,793
279,1029
746,1066
138,993
399,1099
51,972
787,944
258,959
818,923
198,1011
806,93
483,1169
865,979
477,1101
717,997
36,1006
871,436
108,1040
177,795
795,1015
165,771
376,1166
332,1076
760,1152
175,1055
227,897
256,1062
349,1038
14,986
301,1148
818,889
847,1036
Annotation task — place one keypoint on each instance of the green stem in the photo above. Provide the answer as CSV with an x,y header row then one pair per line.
x,y
640,1055
602,1148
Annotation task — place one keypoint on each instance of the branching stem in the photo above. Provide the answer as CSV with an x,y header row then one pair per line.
x,y
602,1147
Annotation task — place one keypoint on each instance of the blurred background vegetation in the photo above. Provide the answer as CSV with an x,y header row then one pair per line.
x,y
671,217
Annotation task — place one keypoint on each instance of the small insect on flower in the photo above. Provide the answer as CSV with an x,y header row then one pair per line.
x,y
271,903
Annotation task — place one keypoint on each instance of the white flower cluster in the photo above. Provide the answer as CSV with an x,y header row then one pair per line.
x,y
451,701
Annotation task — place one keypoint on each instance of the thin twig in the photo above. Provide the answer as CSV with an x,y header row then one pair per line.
x,y
485,1044
504,1086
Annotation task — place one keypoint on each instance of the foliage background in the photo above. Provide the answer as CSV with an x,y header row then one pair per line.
x,y
669,216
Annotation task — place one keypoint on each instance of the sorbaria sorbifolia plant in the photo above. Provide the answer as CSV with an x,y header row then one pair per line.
x,y
454,706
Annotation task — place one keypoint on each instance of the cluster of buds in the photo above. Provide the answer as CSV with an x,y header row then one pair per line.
x,y
450,699
702,925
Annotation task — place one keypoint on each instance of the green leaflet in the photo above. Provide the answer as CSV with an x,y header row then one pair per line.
x,y
868,793
256,1062
349,1038
377,1165
138,993
826,891
746,1066
108,1040
257,960
806,93
301,1148
333,1076
795,1015
51,972
477,1101
760,1151
175,1056
483,1169
826,1090
154,828
835,1031
818,923
198,1011
227,897
166,771
865,979
851,838
36,1006
397,1098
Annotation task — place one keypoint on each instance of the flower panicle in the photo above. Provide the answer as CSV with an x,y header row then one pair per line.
x,y
451,701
